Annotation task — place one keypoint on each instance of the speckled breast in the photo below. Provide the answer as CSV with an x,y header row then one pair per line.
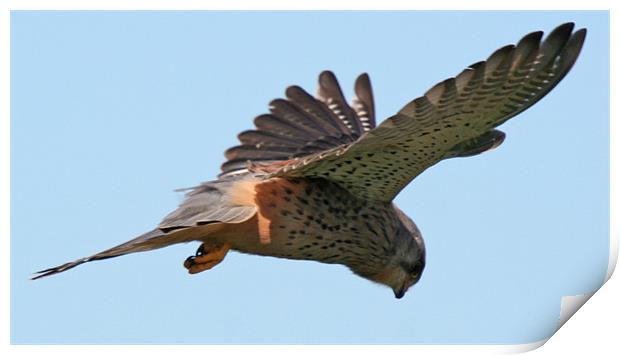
x,y
318,220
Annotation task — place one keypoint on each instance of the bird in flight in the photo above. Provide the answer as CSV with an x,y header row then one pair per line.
x,y
316,178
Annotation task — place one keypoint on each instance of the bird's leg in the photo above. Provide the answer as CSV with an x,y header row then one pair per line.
x,y
207,256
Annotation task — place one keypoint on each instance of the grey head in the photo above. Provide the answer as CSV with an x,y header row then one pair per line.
x,y
403,258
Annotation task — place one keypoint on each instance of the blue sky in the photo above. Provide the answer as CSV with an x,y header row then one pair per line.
x,y
112,111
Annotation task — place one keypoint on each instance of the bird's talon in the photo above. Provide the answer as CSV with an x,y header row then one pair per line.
x,y
189,262
205,260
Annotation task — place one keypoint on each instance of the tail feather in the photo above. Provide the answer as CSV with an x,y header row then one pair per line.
x,y
207,209
63,267
151,240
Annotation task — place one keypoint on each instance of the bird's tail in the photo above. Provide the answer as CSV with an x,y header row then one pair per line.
x,y
151,240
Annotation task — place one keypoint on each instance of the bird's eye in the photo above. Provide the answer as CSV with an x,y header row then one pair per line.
x,y
416,269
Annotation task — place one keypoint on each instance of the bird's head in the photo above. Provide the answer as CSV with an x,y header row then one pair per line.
x,y
407,258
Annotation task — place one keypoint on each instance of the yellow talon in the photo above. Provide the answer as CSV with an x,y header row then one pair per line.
x,y
207,256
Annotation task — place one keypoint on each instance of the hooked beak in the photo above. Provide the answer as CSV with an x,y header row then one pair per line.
x,y
400,292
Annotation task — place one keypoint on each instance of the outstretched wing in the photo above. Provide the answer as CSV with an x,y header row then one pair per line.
x,y
302,125
457,117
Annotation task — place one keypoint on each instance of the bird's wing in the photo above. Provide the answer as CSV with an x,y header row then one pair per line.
x,y
456,117
301,125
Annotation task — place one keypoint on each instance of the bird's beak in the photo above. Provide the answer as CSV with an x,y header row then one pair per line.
x,y
400,292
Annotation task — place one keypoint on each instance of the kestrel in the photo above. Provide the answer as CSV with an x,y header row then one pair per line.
x,y
315,179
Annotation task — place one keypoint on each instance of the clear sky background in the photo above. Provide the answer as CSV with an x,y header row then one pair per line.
x,y
112,111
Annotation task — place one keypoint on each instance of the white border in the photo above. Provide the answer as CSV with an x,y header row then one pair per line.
x,y
304,5
581,334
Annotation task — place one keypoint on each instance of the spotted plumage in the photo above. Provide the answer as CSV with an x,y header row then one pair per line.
x,y
316,178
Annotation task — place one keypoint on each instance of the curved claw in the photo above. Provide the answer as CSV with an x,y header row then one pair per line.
x,y
207,256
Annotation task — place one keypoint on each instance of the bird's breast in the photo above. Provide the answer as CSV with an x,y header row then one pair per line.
x,y
315,219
